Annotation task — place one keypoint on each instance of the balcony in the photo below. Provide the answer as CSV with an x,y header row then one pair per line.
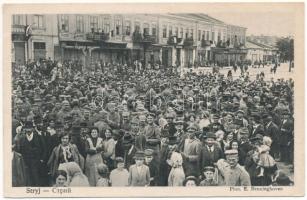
x,y
18,29
19,33
146,38
174,40
188,42
205,43
97,36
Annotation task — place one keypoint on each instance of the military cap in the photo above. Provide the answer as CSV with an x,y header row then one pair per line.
x,y
192,128
231,152
139,155
209,168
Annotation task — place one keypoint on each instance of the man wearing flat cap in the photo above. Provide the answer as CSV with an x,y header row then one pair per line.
x,y
152,133
233,173
190,152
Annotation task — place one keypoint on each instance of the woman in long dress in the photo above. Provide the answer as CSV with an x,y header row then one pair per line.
x,y
93,148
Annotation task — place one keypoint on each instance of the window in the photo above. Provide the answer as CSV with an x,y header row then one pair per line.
x,y
203,35
192,33
212,36
80,24
117,26
154,29
106,25
187,33
199,35
39,21
146,29
170,31
94,23
176,31
181,32
17,20
64,23
137,27
39,45
218,36
127,27
164,32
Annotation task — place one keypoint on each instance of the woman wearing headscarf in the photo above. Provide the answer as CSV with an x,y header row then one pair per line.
x,y
93,149
77,178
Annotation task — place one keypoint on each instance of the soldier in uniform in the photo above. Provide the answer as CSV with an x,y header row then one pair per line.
x,y
232,173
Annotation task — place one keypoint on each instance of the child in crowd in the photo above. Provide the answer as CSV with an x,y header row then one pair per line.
x,y
265,159
209,177
103,173
119,176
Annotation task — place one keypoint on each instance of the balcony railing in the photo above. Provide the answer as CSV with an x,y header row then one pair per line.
x,y
19,29
97,36
188,42
174,40
205,43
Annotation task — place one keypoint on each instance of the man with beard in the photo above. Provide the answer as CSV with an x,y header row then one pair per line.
x,y
152,133
64,112
139,138
44,136
113,116
216,125
180,133
170,123
32,150
129,150
164,168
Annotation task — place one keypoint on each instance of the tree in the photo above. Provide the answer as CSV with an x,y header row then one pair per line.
x,y
286,48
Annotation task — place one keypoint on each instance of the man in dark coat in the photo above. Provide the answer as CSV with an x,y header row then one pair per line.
x,y
153,167
257,126
210,152
272,130
286,137
164,168
33,151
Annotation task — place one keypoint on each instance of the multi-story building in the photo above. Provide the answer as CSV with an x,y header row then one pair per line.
x,y
169,39
257,52
34,37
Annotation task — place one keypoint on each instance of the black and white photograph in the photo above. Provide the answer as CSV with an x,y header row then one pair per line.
x,y
172,99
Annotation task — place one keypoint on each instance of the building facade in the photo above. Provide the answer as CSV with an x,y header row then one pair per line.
x,y
169,39
34,37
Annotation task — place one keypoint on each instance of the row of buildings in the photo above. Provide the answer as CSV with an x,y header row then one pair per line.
x,y
168,39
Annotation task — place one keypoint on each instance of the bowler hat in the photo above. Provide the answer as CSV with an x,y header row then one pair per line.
x,y
127,139
28,124
173,140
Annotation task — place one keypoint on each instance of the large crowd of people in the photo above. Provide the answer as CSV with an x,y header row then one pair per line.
x,y
122,125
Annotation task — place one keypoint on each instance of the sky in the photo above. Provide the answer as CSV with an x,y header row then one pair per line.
x,y
266,23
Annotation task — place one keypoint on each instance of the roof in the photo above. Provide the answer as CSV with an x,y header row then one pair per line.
x,y
200,17
255,45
